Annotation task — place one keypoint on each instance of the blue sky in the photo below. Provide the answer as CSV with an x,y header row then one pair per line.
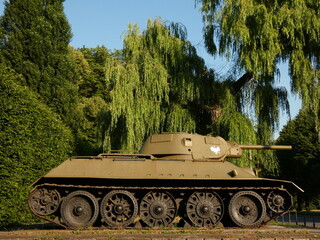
x,y
102,22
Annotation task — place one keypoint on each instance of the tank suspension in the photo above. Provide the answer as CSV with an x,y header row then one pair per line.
x,y
247,209
204,209
79,209
119,208
279,201
43,201
158,208
73,207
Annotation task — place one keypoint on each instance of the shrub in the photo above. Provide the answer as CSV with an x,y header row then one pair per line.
x,y
32,140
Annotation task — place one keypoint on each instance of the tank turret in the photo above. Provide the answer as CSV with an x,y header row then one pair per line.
x,y
197,147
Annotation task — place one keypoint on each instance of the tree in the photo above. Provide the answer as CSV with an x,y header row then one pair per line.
x,y
156,84
159,84
259,35
93,84
93,96
32,141
301,165
35,44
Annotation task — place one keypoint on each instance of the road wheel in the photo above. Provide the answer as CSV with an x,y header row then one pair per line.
x,y
158,209
119,208
247,209
79,209
204,209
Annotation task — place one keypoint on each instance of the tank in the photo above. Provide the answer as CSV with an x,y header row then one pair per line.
x,y
176,179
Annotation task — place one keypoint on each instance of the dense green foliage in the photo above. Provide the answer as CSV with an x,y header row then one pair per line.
x,y
32,141
301,165
153,86
35,45
258,35
38,89
93,96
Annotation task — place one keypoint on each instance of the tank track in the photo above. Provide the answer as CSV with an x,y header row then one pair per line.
x,y
79,206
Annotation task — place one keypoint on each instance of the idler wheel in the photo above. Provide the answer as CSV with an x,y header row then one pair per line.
x,y
119,208
44,201
247,209
158,209
204,209
79,209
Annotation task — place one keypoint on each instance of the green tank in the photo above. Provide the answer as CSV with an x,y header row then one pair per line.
x,y
176,178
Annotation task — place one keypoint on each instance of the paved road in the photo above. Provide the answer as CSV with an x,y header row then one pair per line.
x,y
268,232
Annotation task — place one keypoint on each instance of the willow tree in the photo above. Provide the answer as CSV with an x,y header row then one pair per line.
x,y
156,85
258,36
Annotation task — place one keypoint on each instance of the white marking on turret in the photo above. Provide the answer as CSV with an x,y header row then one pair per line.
x,y
215,149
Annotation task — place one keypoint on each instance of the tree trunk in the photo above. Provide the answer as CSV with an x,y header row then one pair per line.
x,y
237,85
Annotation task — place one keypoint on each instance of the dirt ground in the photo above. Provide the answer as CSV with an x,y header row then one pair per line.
x,y
48,232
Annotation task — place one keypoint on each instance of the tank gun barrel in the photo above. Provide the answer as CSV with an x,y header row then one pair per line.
x,y
271,147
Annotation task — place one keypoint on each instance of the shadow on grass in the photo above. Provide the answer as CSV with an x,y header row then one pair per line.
x,y
37,226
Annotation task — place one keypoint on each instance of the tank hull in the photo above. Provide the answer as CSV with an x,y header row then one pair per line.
x,y
157,192
143,168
